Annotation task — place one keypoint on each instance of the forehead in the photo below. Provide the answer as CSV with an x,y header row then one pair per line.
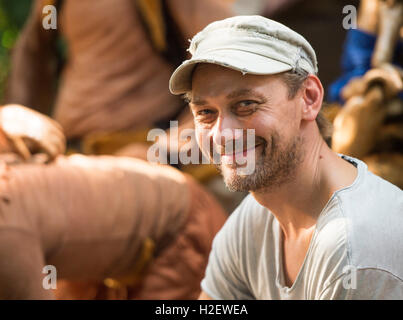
x,y
210,80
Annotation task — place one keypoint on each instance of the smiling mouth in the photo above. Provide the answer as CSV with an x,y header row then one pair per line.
x,y
243,152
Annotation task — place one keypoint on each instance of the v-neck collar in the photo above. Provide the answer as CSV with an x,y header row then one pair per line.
x,y
280,275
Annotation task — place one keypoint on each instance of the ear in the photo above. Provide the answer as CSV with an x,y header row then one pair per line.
x,y
312,97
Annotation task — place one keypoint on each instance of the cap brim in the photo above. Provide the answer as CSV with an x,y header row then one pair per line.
x,y
242,61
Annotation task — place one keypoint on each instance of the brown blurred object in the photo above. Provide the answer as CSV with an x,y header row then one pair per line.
x,y
387,165
97,218
111,142
390,24
130,238
330,111
368,13
370,124
26,132
355,126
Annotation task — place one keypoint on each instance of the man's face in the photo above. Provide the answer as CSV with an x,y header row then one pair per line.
x,y
223,100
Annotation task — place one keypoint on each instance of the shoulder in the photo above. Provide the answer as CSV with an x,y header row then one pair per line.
x,y
371,192
226,274
374,193
372,212
240,239
356,260
364,284
247,219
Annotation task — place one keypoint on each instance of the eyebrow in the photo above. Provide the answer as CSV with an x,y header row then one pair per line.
x,y
188,99
198,102
232,95
245,92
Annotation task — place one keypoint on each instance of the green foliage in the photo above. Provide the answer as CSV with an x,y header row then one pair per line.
x,y
13,14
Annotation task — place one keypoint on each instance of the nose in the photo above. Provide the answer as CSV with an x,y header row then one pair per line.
x,y
225,130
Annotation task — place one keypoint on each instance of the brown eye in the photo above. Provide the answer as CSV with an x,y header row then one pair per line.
x,y
246,103
205,116
204,112
245,107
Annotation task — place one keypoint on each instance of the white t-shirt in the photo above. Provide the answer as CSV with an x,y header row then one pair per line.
x,y
356,251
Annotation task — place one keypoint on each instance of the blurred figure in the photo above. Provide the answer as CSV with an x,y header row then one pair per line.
x,y
113,84
369,125
119,58
29,136
106,223
371,44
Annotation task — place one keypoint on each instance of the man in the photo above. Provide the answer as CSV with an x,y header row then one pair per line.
x,y
107,224
316,225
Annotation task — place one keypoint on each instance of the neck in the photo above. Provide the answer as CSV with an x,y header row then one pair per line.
x,y
297,204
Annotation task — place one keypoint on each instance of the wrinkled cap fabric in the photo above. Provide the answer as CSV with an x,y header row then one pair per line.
x,y
249,44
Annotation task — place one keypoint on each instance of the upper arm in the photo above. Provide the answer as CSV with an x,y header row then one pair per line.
x,y
364,284
33,59
193,15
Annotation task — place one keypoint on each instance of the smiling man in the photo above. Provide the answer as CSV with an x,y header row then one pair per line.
x,y
316,225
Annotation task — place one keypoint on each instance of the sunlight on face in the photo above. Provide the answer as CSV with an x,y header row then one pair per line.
x,y
223,100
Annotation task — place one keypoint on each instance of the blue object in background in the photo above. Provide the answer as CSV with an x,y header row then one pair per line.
x,y
356,60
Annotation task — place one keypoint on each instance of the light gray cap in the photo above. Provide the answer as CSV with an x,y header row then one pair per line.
x,y
249,44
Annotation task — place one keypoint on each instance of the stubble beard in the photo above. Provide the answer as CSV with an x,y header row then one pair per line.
x,y
276,166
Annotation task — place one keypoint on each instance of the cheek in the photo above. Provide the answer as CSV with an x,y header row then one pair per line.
x,y
292,116
284,124
202,138
264,127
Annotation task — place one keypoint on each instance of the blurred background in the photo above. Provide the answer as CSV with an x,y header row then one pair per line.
x,y
318,21
12,18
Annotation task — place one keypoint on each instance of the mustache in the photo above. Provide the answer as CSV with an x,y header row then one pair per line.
x,y
234,146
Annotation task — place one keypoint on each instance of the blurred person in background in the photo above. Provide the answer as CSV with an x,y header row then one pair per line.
x,y
105,223
103,73
118,60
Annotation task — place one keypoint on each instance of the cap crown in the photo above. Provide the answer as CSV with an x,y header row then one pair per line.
x,y
258,35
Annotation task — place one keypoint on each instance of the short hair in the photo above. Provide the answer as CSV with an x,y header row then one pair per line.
x,y
294,80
